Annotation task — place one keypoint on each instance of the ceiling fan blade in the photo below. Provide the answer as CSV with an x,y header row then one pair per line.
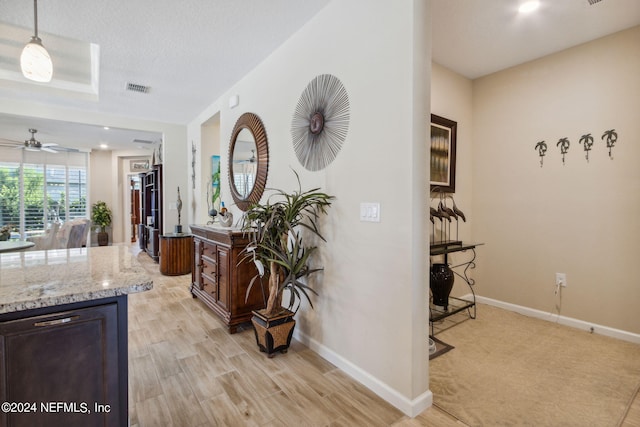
x,y
49,150
10,141
49,144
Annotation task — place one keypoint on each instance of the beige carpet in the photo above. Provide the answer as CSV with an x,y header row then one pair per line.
x,y
512,370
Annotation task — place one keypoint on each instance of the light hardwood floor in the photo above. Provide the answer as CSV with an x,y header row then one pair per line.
x,y
186,370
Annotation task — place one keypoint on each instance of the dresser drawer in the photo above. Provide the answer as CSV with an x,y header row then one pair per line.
x,y
209,250
209,268
209,286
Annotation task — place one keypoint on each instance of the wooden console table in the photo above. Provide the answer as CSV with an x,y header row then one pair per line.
x,y
175,254
219,276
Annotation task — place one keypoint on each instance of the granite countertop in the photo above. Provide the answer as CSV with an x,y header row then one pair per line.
x,y
34,279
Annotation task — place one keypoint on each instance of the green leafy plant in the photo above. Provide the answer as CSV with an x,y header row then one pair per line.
x,y
215,182
5,231
101,215
279,231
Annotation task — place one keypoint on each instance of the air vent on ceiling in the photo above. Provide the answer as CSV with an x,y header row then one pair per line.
x,y
138,88
592,2
142,141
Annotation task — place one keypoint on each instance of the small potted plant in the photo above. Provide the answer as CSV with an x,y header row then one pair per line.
x,y
279,231
5,232
101,217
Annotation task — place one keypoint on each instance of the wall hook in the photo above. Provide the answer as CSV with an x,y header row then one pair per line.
x,y
612,137
564,147
587,142
542,149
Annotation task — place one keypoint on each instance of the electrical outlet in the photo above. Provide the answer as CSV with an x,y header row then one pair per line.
x,y
561,279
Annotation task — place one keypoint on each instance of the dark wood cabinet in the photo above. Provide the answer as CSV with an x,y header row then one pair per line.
x,y
220,279
175,254
151,211
65,361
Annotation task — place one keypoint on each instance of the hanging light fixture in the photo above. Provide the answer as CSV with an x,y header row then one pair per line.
x,y
35,60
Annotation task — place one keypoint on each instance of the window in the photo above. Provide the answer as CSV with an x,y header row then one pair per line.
x,y
39,188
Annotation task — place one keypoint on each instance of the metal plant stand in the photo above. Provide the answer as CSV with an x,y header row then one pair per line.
x,y
456,305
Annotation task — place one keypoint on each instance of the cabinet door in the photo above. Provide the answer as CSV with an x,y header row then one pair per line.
x,y
196,266
69,357
223,277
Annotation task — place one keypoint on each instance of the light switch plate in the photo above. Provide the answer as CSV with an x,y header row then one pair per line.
x,y
370,212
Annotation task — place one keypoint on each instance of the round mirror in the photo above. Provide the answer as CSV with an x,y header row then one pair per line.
x,y
248,160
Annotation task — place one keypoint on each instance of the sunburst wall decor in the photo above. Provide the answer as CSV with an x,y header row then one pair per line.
x,y
320,122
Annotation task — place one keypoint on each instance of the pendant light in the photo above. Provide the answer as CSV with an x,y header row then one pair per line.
x,y
35,60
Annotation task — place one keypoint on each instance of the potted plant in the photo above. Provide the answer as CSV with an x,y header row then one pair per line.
x,y
101,217
5,232
279,234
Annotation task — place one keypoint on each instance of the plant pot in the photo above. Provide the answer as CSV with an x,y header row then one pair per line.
x,y
103,238
273,333
441,283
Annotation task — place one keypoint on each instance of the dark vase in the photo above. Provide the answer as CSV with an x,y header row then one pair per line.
x,y
103,238
441,284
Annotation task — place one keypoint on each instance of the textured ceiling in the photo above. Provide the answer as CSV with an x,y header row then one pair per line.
x,y
189,52
479,37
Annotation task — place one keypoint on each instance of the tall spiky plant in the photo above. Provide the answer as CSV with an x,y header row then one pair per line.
x,y
277,240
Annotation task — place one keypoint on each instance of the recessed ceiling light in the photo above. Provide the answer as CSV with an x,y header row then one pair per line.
x,y
104,146
106,128
529,6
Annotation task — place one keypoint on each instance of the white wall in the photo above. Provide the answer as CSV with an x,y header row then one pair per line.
x,y
581,218
371,316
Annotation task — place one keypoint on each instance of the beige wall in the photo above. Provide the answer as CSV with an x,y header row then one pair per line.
x,y
580,218
370,317
451,97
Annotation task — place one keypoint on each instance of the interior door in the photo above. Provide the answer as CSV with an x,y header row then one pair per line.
x,y
135,209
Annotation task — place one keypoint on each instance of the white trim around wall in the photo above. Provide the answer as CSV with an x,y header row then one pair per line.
x,y
410,408
563,320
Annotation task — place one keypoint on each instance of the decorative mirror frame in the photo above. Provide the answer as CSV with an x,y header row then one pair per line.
x,y
253,123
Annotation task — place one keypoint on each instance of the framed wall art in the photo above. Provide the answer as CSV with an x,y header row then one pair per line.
x,y
137,166
443,154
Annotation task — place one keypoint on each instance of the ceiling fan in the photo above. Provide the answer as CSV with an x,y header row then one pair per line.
x,y
32,144
252,159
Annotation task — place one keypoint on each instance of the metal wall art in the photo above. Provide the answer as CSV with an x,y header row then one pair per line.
x,y
541,146
610,137
193,165
563,143
320,122
587,142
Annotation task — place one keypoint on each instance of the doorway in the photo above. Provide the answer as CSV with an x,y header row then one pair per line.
x,y
134,206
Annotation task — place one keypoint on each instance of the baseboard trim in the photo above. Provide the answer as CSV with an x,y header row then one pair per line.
x,y
409,407
563,320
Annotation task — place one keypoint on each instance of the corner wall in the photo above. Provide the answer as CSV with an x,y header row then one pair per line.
x,y
581,218
452,98
371,316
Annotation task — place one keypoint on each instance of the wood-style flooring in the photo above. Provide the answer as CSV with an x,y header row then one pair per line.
x,y
185,369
